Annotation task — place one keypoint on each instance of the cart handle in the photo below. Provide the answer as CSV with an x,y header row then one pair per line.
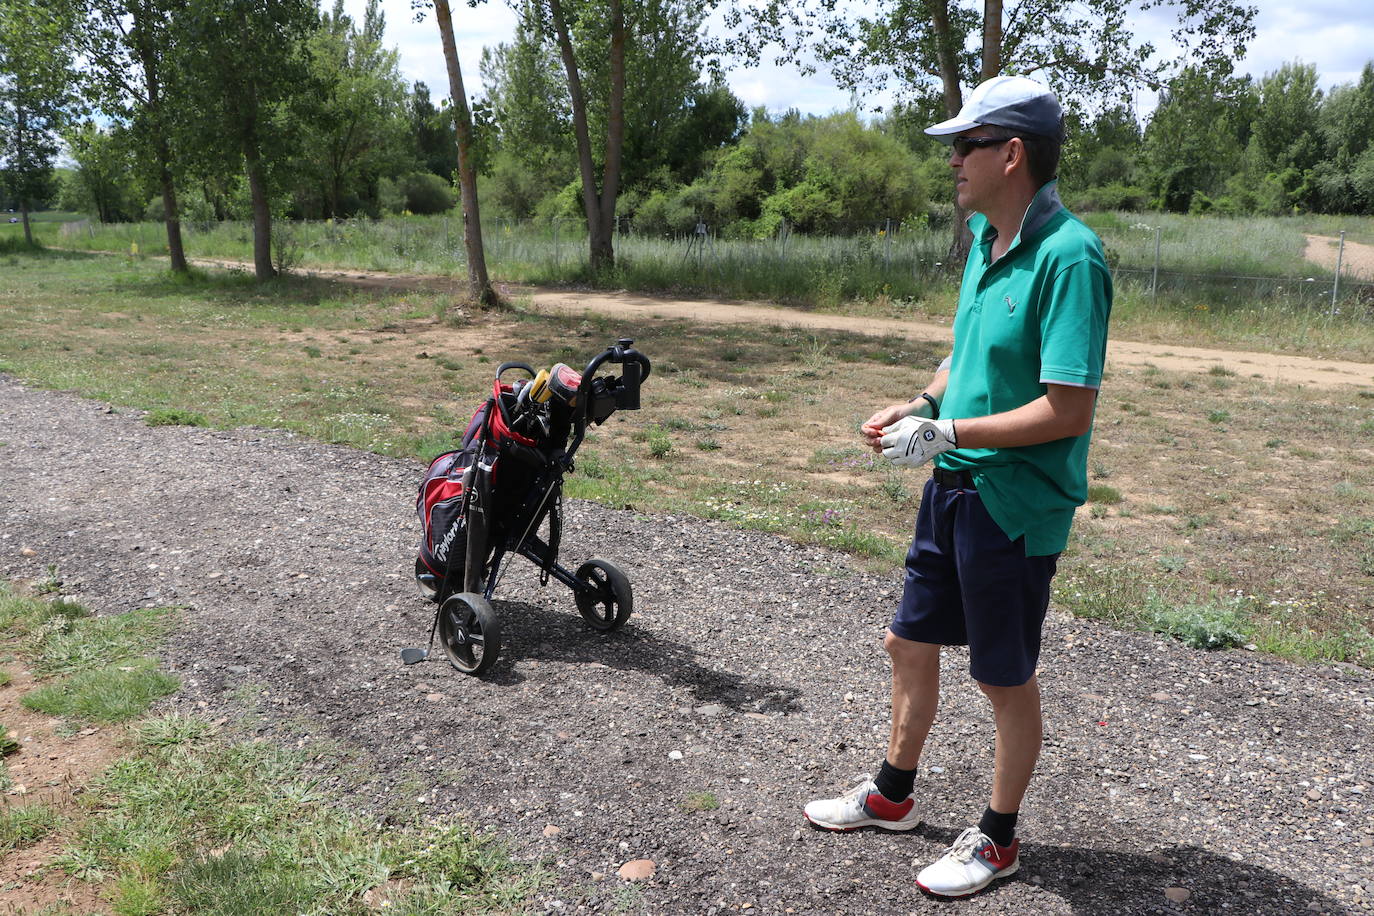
x,y
501,369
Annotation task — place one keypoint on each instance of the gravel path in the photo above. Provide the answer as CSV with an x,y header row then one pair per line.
x,y
752,670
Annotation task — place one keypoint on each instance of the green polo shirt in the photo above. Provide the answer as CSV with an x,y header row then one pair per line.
x,y
1036,315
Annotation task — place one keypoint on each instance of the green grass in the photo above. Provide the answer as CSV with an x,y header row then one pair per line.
x,y
195,822
1238,282
25,825
116,693
173,416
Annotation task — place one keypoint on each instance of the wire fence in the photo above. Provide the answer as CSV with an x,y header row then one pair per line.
x,y
866,258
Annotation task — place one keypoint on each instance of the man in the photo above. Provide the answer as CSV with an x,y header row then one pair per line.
x,y
1007,420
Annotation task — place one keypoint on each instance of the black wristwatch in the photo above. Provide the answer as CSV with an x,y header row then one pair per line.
x,y
934,404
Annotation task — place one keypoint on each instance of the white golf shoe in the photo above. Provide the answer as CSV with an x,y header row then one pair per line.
x,y
971,864
864,806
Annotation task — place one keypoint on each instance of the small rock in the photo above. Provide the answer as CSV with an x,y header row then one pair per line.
x,y
675,755
28,552
1314,906
434,697
1161,697
1037,880
712,709
1178,894
552,830
598,876
1314,794
638,870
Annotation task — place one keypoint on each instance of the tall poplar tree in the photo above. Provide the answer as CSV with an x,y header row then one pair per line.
x,y
246,83
36,97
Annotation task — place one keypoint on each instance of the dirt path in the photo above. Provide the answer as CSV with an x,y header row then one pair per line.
x,y
1356,261
750,679
1274,367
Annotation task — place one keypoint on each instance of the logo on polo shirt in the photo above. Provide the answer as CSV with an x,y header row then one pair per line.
x,y
1011,306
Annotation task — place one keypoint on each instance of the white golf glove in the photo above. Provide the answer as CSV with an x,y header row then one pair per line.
x,y
912,441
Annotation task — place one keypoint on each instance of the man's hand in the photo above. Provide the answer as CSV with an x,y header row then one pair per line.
x,y
873,428
912,441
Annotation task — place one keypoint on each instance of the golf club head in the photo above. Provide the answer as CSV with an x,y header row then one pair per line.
x,y
412,656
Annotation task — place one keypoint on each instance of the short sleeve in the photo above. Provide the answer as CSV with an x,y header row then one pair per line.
x,y
1073,325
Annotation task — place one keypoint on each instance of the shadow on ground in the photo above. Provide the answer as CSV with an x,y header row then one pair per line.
x,y
533,632
1097,882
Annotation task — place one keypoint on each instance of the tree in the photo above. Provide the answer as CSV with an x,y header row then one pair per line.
x,y
360,116
246,78
128,45
479,284
35,97
431,131
932,48
1285,138
1196,138
104,181
631,74
1346,123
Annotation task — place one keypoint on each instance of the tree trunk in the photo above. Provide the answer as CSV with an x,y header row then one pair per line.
x,y
21,158
171,215
262,216
602,249
615,139
478,282
992,39
961,239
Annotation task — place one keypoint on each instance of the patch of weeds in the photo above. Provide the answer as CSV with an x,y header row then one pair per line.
x,y
7,743
846,458
1221,371
1201,626
50,584
678,423
708,444
1305,453
1104,495
1219,416
1274,443
1101,471
701,801
659,442
312,352
1197,522
6,678
173,416
894,488
777,397
24,826
68,644
1098,511
768,411
1171,564
116,693
448,362
209,826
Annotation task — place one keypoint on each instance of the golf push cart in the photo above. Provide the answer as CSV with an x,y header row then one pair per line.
x,y
500,494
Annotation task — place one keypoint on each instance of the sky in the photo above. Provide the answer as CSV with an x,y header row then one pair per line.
x,y
1335,35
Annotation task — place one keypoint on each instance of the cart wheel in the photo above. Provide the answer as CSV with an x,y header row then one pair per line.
x,y
607,604
470,631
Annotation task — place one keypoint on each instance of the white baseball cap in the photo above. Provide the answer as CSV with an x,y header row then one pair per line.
x,y
1017,103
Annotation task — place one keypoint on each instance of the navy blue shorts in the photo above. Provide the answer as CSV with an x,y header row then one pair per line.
x,y
968,584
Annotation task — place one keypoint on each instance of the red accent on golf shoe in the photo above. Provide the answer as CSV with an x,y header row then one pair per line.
x,y
879,806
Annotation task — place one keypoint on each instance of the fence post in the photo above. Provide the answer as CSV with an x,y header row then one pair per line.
x,y
1336,283
887,245
1154,276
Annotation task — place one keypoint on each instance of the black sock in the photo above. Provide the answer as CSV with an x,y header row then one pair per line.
x,y
1000,828
894,784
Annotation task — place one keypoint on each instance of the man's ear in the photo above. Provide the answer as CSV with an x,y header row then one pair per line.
x,y
1013,155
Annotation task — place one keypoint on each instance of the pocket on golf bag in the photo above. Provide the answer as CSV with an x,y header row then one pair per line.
x,y
440,507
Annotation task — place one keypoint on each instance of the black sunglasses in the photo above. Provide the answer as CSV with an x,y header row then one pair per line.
x,y
965,145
